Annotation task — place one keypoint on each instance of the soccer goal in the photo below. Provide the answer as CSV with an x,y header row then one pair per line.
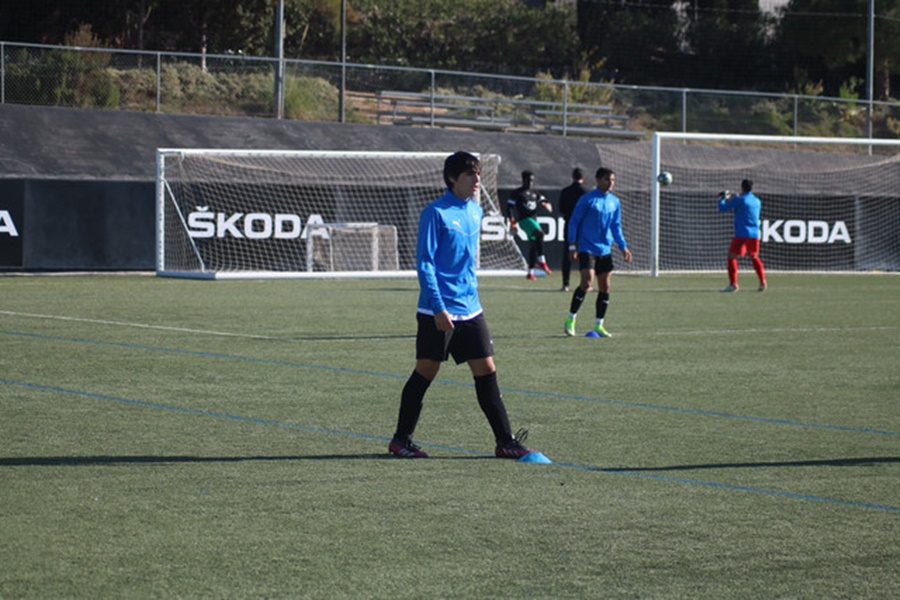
x,y
267,214
828,204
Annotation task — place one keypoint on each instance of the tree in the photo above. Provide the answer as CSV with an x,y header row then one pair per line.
x,y
842,54
248,27
636,39
725,44
498,35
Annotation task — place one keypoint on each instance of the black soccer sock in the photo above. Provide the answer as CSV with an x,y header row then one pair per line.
x,y
602,304
411,405
491,402
577,299
532,255
539,242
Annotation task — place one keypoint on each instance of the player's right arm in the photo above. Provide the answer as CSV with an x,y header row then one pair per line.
x,y
573,225
727,201
511,213
443,321
426,251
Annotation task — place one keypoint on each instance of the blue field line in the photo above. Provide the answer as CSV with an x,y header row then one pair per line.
x,y
192,411
314,429
707,413
739,488
643,405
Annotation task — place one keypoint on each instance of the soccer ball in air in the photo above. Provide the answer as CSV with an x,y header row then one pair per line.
x,y
664,178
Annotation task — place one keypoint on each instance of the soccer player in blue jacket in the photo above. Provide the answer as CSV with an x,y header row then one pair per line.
x,y
746,207
450,316
595,224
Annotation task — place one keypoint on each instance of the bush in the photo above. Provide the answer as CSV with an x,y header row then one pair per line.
x,y
62,78
310,99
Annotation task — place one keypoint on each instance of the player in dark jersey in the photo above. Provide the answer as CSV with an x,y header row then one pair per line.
x,y
568,198
521,209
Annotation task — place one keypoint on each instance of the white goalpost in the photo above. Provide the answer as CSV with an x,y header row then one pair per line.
x,y
227,214
828,204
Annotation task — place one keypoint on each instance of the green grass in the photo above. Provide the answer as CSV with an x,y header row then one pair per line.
x,y
170,438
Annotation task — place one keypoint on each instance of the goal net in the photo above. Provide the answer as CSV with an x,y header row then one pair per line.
x,y
828,204
243,214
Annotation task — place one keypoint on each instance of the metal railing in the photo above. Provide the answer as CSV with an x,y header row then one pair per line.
x,y
236,85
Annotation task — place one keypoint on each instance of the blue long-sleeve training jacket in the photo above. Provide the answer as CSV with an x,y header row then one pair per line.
x,y
746,209
596,222
445,257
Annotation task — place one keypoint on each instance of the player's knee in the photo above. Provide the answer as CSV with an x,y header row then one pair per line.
x,y
482,366
428,368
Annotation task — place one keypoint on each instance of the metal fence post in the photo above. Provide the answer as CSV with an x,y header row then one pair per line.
x,y
342,109
279,67
796,113
433,91
158,80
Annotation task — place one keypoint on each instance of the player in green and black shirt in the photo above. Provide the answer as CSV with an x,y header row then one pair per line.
x,y
521,209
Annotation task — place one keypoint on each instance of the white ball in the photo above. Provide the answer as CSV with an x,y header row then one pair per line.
x,y
664,178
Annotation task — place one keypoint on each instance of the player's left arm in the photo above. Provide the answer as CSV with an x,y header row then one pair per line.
x,y
619,236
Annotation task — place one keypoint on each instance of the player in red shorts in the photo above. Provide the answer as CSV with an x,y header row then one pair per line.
x,y
746,207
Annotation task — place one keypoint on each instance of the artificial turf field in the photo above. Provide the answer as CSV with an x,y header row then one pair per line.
x,y
174,438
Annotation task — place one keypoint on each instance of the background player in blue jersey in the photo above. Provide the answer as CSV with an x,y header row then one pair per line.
x,y
746,207
595,224
450,317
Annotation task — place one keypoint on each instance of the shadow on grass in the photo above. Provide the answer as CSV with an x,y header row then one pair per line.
x,y
338,338
836,462
78,461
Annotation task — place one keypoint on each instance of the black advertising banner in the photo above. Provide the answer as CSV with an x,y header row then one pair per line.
x,y
12,227
809,233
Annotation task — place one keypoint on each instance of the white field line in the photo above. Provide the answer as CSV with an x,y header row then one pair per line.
x,y
765,330
270,337
137,325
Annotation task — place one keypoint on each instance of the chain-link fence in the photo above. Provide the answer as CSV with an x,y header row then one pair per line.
x,y
236,85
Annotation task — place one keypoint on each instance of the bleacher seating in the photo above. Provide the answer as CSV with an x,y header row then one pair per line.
x,y
501,114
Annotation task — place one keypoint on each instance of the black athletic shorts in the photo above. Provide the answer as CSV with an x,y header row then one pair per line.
x,y
468,340
602,264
